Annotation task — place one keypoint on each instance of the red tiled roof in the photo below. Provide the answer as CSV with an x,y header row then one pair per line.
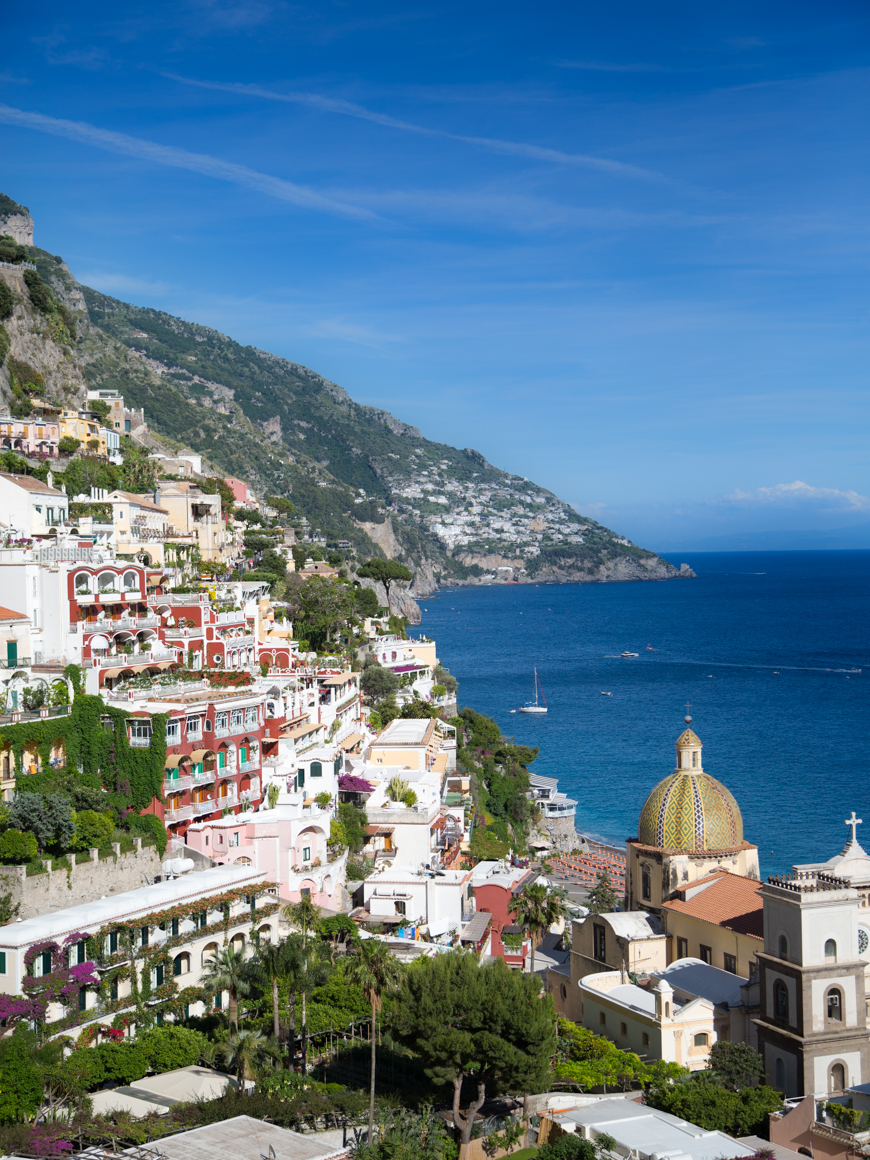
x,y
29,483
730,901
8,614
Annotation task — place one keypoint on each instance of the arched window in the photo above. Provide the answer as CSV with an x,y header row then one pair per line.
x,y
645,883
837,1078
316,769
780,1000
779,1074
835,1005
181,965
265,933
783,947
209,953
702,1039
694,759
131,580
831,950
667,1010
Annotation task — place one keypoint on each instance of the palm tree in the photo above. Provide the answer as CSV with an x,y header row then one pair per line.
x,y
537,909
247,1053
294,959
228,970
305,915
269,965
376,971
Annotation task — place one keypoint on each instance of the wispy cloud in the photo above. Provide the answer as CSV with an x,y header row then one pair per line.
x,y
176,158
497,145
800,493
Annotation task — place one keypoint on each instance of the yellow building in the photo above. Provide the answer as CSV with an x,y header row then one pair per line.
x,y
412,743
82,425
690,826
718,919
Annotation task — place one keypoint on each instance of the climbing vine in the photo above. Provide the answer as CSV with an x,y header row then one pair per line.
x,y
96,745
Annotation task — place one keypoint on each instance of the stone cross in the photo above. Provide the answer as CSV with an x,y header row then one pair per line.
x,y
854,823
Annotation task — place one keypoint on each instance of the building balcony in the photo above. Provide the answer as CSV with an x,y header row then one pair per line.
x,y
249,766
230,730
18,663
182,814
207,777
130,660
177,784
205,807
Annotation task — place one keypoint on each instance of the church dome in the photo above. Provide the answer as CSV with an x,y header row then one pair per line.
x,y
690,811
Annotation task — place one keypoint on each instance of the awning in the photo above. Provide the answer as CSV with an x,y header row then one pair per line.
x,y
373,831
350,742
302,731
198,755
440,926
342,680
172,761
476,928
111,672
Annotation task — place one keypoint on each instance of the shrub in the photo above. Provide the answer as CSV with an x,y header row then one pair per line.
x,y
17,848
166,1048
148,826
92,829
5,343
122,1062
68,445
26,376
7,300
11,251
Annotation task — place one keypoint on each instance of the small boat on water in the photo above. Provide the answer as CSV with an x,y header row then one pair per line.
x,y
607,694
535,707
629,654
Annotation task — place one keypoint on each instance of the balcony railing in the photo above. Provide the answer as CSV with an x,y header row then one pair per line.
x,y
206,807
18,663
129,660
182,814
249,766
176,784
207,777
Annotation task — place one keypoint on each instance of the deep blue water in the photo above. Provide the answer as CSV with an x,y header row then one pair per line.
x,y
761,644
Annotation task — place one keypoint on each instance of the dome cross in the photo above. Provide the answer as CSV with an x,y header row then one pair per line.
x,y
854,823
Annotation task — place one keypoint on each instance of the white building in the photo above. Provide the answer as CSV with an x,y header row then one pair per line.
x,y
407,896
644,1133
195,936
30,507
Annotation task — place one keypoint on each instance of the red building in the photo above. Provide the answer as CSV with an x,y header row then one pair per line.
x,y
213,637
495,888
111,624
216,743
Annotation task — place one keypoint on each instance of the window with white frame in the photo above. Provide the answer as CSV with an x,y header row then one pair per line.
x,y
173,732
140,733
194,728
237,719
251,716
221,722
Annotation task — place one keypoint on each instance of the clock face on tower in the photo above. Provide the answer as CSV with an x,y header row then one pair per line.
x,y
863,940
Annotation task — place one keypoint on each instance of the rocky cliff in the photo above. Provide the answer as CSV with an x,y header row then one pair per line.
x,y
354,473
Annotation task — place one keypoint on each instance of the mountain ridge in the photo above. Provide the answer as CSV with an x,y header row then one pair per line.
x,y
354,471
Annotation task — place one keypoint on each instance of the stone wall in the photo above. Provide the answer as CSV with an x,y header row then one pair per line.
x,y
83,882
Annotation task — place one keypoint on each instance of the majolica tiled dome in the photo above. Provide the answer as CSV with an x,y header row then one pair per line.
x,y
690,811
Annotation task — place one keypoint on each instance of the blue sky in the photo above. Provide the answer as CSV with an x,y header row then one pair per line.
x,y
621,250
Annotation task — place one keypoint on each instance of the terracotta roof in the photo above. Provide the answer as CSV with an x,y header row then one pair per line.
x,y
29,483
730,901
8,614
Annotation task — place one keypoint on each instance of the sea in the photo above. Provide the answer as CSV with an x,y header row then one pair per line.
x,y
769,653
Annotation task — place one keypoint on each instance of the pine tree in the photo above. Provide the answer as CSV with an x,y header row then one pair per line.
x,y
602,897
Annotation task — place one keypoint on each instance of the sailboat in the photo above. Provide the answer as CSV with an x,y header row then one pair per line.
x,y
536,708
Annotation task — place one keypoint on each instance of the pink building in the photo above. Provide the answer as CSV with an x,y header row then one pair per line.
x,y
288,844
30,436
241,491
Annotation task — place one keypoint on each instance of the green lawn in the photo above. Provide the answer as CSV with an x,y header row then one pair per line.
x,y
525,1154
